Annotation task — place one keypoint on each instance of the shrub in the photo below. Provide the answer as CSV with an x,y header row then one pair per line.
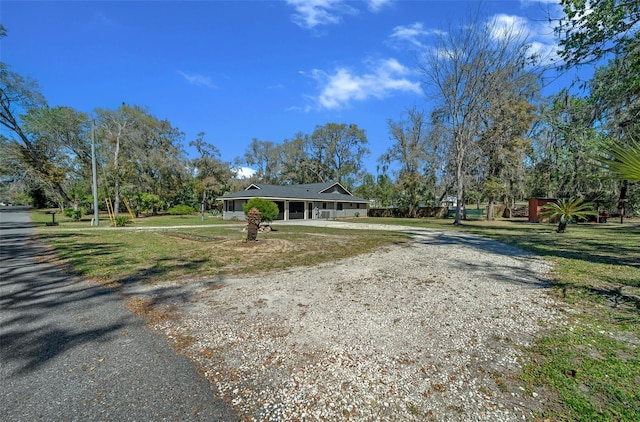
x,y
75,215
565,211
268,209
121,221
181,210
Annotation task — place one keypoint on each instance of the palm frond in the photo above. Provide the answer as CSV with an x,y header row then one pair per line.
x,y
624,160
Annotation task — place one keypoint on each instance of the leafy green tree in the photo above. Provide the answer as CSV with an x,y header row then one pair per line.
x,y
20,96
265,158
504,142
366,188
297,167
566,144
567,210
212,175
63,136
384,191
594,29
147,202
412,153
140,151
268,209
614,92
336,152
116,129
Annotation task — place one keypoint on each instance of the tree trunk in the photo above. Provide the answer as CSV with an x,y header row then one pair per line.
x,y
204,199
459,185
562,225
623,199
253,223
116,188
490,210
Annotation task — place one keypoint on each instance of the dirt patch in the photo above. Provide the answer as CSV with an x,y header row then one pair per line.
x,y
261,246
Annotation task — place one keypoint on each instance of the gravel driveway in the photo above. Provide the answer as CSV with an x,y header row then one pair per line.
x,y
426,330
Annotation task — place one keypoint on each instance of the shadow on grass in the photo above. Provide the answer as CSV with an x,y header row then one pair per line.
x,y
602,246
159,269
586,245
84,254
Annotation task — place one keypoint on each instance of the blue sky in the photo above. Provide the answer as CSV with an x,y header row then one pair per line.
x,y
239,70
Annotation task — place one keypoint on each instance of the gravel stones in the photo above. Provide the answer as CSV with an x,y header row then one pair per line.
x,y
427,330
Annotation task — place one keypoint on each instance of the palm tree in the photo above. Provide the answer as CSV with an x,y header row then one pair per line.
x,y
566,211
624,161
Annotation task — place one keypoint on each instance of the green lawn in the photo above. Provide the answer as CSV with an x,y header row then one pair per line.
x,y
590,368
40,217
125,255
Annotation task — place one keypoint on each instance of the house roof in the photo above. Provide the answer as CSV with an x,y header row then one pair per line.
x,y
332,191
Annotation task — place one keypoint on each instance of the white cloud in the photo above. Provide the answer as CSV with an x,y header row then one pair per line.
x,y
244,172
340,88
505,26
539,35
311,13
412,34
197,80
377,5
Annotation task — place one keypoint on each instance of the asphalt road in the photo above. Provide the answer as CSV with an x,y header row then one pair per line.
x,y
70,351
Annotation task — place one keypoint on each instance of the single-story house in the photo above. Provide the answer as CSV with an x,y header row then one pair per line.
x,y
299,202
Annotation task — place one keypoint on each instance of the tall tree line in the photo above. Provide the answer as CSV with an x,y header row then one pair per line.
x,y
489,136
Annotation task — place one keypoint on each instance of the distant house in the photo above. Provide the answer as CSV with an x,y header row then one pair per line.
x,y
299,202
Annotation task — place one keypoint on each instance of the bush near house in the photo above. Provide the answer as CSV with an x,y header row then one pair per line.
x,y
75,215
268,209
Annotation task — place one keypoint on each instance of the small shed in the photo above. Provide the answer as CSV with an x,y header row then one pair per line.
x,y
535,208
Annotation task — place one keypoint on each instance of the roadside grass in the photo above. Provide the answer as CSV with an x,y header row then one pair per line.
x,y
40,218
590,368
587,370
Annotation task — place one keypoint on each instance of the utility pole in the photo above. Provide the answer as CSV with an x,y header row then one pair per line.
x,y
95,178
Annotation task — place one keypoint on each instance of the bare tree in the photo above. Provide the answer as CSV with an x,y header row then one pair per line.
x,y
116,127
462,72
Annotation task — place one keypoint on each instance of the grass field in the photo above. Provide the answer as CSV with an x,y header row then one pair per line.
x,y
40,217
126,255
591,366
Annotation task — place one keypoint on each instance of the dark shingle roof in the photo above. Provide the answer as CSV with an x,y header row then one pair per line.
x,y
312,191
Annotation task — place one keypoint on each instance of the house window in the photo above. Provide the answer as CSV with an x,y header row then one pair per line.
x,y
230,206
324,205
339,206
